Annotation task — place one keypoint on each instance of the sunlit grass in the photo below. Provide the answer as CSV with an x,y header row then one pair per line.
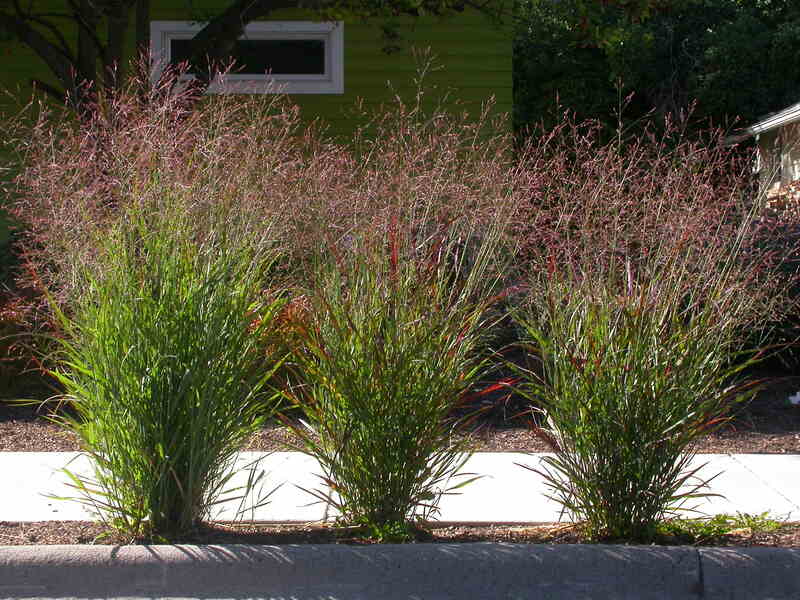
x,y
162,365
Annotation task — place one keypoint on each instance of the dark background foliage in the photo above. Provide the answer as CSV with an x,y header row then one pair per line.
x,y
728,59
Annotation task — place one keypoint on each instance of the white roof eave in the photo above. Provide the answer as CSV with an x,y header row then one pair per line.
x,y
783,117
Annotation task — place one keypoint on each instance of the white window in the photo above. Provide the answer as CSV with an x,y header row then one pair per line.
x,y
294,57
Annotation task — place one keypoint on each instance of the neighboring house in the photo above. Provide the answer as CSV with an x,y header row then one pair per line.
x,y
327,67
778,163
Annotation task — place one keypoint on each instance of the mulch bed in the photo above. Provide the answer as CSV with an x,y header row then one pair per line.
x,y
769,424
85,532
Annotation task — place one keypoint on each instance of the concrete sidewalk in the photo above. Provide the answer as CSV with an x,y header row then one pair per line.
x,y
483,571
506,493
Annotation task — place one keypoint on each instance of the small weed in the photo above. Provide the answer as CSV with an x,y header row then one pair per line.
x,y
391,533
714,529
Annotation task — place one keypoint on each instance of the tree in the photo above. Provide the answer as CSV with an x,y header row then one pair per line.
x,y
728,58
96,61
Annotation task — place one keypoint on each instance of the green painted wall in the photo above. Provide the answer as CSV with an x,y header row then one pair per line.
x,y
473,54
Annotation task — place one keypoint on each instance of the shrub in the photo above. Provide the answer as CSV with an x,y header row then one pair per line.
x,y
14,359
163,367
23,343
778,235
390,345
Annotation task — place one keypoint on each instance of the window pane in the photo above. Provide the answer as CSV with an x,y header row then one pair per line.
x,y
256,57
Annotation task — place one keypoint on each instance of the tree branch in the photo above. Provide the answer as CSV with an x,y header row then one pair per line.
x,y
51,54
215,41
62,41
85,26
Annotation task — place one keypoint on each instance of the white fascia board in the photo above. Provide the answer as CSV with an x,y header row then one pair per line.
x,y
780,118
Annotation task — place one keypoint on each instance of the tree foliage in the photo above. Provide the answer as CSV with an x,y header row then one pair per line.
x,y
728,58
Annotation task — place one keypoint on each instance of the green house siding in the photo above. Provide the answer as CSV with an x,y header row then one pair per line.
x,y
472,62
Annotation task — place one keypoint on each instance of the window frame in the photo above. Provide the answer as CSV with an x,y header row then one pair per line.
x,y
331,82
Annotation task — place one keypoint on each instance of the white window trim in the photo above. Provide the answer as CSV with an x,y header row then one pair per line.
x,y
332,82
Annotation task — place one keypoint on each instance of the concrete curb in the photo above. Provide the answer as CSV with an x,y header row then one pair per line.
x,y
483,571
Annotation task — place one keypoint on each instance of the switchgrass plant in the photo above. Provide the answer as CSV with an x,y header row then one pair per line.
x,y
619,210
390,343
646,275
627,385
162,365
255,155
630,376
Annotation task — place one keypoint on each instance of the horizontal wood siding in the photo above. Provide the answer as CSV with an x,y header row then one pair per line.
x,y
472,62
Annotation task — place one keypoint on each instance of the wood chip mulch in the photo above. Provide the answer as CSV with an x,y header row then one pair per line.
x,y
770,424
86,532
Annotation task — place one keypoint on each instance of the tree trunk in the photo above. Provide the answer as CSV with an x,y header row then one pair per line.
x,y
118,21
143,27
88,54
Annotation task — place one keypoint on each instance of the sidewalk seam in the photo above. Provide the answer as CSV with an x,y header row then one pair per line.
x,y
701,578
764,482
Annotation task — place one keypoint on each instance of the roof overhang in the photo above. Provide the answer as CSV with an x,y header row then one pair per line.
x,y
788,115
775,120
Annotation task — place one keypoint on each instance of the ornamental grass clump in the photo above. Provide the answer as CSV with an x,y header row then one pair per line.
x,y
389,343
162,365
626,385
645,277
254,154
